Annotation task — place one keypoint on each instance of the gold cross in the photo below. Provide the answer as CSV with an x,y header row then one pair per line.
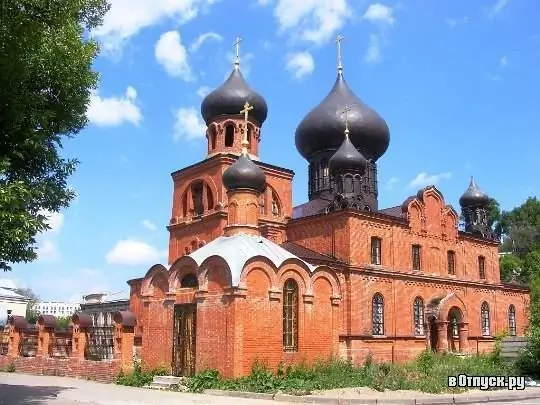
x,y
346,111
237,47
245,111
338,42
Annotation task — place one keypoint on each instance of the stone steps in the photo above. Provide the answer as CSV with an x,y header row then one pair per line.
x,y
164,382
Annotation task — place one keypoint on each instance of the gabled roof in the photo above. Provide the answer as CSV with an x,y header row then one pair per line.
x,y
309,255
7,293
237,249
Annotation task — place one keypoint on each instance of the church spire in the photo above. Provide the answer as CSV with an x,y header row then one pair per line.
x,y
339,64
237,49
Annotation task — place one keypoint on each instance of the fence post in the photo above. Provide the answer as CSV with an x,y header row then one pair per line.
x,y
124,339
47,324
16,324
81,322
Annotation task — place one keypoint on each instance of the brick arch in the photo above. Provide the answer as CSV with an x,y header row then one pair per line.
x,y
232,209
272,192
207,180
262,263
440,306
261,269
433,192
208,265
179,271
328,274
155,270
298,273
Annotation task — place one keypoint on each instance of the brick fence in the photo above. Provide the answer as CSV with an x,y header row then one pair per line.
x,y
81,351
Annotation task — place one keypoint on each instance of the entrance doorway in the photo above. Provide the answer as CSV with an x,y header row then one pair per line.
x,y
433,333
184,332
454,318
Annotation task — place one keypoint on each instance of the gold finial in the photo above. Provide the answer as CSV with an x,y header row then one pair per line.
x,y
346,112
338,42
245,141
237,47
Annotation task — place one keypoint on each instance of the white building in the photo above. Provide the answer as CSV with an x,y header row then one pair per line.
x,y
102,306
58,309
11,303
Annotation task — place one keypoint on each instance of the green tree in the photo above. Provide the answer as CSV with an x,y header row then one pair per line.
x,y
63,321
529,360
45,83
31,314
510,266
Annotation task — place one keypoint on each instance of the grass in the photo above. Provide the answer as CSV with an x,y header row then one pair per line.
x,y
139,377
427,373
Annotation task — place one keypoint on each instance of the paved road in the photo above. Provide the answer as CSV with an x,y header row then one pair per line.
x,y
524,402
21,389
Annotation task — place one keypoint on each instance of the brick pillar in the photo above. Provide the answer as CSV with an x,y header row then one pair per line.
x,y
427,332
45,337
124,339
463,337
442,339
14,340
81,323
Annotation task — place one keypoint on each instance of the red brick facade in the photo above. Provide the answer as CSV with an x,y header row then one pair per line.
x,y
362,262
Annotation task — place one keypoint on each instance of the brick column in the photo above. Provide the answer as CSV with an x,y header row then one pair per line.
x,y
442,338
16,324
81,322
463,337
46,326
124,339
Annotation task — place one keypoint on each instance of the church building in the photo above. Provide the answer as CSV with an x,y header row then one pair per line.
x,y
252,278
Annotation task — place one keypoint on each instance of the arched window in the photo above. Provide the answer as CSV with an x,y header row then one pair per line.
x,y
197,196
290,316
482,267
451,261
418,310
484,315
324,173
375,250
213,136
378,314
189,281
275,204
512,320
229,135
209,198
249,131
262,204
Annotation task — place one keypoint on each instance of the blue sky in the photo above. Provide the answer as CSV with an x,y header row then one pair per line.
x,y
455,80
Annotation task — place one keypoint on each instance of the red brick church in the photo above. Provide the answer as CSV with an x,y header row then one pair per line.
x,y
252,278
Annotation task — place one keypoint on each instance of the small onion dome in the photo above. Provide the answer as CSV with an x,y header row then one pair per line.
x,y
230,97
347,158
322,128
473,196
244,174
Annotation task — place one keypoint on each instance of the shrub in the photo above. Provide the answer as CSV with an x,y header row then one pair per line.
x,y
138,377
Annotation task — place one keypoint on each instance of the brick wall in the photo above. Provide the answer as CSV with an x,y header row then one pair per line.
x,y
103,371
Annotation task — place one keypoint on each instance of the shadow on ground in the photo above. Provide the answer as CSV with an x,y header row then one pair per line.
x,y
28,395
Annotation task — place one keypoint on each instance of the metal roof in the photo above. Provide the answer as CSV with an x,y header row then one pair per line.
x,y
236,250
12,295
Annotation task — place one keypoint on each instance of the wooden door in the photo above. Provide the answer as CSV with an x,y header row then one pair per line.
x,y
183,358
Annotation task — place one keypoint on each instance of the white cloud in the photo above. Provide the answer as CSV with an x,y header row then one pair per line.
x,y
452,22
127,17
130,252
114,111
7,283
264,2
148,225
203,91
503,62
201,39
55,220
379,13
392,181
373,51
313,21
497,7
300,64
423,179
47,251
188,124
172,55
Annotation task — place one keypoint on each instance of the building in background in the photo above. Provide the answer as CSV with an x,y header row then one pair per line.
x,y
102,306
57,308
11,303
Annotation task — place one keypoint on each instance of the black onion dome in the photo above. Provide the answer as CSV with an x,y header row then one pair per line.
x,y
347,157
473,196
230,97
244,174
322,128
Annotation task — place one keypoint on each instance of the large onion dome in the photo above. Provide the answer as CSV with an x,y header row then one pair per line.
x,y
322,128
347,158
473,196
244,174
230,97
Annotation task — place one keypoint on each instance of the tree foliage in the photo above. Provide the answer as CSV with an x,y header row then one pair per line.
x,y
31,313
45,83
